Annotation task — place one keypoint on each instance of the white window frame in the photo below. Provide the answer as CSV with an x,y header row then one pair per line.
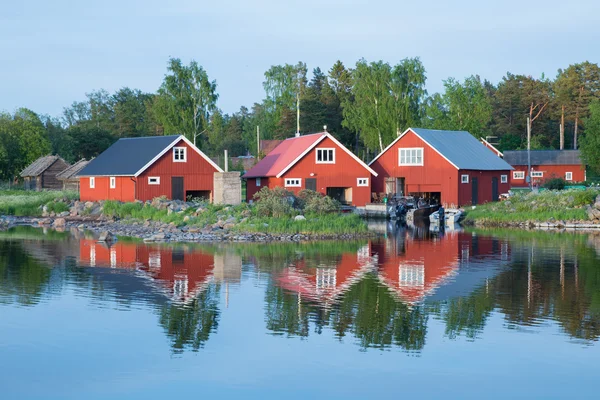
x,y
518,174
156,180
503,178
568,176
537,174
177,157
464,178
361,182
92,182
324,150
293,182
113,182
258,182
408,159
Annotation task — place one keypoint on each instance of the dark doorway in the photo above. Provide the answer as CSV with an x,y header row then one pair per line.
x,y
196,195
494,189
474,191
341,194
177,188
311,184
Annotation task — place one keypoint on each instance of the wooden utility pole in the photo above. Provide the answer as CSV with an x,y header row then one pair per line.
x,y
226,162
528,177
298,114
257,142
562,129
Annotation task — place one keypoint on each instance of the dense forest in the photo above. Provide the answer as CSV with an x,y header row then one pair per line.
x,y
364,106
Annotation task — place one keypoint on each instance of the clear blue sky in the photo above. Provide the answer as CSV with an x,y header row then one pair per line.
x,y
53,52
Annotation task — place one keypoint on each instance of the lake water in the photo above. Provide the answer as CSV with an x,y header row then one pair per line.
x,y
502,314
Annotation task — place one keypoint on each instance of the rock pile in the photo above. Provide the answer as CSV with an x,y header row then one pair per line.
x,y
593,211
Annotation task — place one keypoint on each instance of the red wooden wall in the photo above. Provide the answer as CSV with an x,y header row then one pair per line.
x,y
484,186
197,173
344,173
550,171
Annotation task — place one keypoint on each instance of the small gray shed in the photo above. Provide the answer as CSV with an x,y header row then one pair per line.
x,y
41,174
69,178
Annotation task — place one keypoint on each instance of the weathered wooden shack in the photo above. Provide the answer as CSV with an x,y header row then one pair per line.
x,y
69,178
41,174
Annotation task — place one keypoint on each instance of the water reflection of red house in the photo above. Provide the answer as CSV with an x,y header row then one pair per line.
x,y
413,269
178,272
323,281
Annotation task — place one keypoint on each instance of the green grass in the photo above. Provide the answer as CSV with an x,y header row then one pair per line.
x,y
567,205
27,203
330,224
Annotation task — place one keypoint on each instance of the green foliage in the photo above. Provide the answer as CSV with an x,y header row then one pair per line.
x,y
57,206
554,184
565,205
590,143
275,202
29,203
315,203
328,224
186,99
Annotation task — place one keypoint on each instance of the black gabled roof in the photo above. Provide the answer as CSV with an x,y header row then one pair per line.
x,y
127,156
543,157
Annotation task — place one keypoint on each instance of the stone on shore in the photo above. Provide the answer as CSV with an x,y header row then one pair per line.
x,y
106,236
59,223
299,218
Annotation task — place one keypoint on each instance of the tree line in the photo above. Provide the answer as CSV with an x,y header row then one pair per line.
x,y
365,107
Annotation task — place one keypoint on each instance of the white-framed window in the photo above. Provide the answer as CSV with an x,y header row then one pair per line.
x,y
257,182
503,178
154,180
179,154
464,178
537,174
326,278
113,182
362,182
293,182
410,156
92,182
518,175
325,156
568,176
411,275
113,257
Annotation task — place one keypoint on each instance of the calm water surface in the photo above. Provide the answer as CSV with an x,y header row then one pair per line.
x,y
506,314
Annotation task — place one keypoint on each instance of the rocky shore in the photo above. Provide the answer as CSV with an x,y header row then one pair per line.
x,y
90,217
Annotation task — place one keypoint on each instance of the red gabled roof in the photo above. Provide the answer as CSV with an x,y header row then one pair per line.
x,y
283,155
290,151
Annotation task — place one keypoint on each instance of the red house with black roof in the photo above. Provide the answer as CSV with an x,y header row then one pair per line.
x,y
450,166
143,168
317,162
545,164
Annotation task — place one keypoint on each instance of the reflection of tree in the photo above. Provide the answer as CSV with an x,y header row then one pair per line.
x,y
22,277
466,315
285,312
376,319
189,326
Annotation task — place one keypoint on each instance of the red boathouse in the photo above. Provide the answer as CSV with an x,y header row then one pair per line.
x,y
450,166
317,162
545,164
147,167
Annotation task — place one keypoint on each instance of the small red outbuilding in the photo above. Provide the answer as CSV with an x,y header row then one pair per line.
x,y
147,167
450,166
317,162
545,164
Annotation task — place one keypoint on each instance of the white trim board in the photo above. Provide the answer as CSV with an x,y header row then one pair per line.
x,y
499,153
164,151
316,142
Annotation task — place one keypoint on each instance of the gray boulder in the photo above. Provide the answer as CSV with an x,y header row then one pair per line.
x,y
106,236
299,218
59,223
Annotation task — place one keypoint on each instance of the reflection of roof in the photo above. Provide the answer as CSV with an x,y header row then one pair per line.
x,y
40,165
543,157
73,170
460,148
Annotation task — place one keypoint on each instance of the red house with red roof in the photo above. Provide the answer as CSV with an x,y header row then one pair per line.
x,y
450,166
317,162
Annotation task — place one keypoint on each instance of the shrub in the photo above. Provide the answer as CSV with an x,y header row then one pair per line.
x,y
315,203
555,184
276,202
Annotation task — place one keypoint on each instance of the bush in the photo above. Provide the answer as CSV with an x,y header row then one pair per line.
x,y
315,203
555,184
276,202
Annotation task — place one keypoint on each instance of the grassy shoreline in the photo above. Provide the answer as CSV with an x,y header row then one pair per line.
x,y
23,203
547,206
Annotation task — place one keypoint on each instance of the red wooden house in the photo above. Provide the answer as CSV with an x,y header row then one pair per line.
x,y
317,162
147,167
450,166
545,164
